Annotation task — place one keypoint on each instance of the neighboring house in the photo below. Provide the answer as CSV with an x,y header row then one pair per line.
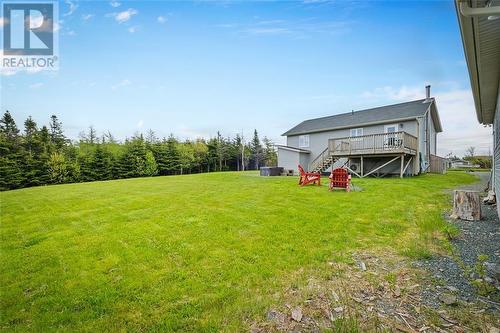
x,y
480,29
395,139
459,163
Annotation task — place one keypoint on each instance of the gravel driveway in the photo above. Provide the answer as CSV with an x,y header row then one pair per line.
x,y
454,275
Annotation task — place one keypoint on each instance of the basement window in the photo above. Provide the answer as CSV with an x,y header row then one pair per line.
x,y
304,141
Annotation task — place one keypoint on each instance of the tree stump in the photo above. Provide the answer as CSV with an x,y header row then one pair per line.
x,y
466,205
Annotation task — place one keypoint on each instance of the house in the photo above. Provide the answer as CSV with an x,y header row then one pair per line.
x,y
480,29
460,163
396,139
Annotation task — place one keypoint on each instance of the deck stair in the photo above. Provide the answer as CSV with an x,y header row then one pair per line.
x,y
322,162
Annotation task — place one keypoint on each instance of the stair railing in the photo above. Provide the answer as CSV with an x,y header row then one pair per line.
x,y
319,160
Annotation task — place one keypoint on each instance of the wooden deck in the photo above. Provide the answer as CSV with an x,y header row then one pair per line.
x,y
388,144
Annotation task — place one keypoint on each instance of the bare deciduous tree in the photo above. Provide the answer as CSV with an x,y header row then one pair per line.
x,y
470,151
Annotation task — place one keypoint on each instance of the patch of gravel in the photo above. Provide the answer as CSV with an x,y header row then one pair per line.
x,y
455,274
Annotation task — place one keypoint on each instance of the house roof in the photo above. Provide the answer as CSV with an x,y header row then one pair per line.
x,y
481,41
379,115
298,150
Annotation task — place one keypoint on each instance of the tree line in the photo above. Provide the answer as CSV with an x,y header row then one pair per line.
x,y
44,155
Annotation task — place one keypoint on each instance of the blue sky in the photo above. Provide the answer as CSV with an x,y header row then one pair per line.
x,y
192,68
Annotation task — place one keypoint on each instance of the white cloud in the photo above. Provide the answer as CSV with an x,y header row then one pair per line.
x,y
403,93
297,29
161,19
140,123
267,31
124,16
72,8
87,17
115,4
133,29
456,110
122,83
36,85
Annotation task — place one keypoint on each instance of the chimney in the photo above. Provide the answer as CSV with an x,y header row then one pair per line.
x,y
427,93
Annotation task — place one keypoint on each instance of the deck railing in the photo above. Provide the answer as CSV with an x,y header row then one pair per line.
x,y
374,144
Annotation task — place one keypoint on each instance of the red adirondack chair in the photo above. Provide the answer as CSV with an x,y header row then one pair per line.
x,y
309,177
340,178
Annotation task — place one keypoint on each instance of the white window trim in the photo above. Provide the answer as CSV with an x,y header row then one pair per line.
x,y
304,141
386,127
357,130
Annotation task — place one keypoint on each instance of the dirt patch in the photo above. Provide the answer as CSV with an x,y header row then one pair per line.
x,y
373,293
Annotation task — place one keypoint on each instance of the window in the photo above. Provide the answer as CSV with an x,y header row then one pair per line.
x,y
391,139
356,132
391,128
304,141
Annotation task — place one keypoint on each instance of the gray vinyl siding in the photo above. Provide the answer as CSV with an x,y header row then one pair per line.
x,y
319,141
496,146
289,159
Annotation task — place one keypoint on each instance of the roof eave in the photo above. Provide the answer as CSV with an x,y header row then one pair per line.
x,y
388,121
468,34
437,122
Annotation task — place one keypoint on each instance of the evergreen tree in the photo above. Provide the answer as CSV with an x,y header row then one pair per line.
x,y
35,158
8,128
159,151
43,156
151,137
212,157
101,163
151,168
256,150
133,162
58,171
11,175
269,153
56,132
173,157
30,134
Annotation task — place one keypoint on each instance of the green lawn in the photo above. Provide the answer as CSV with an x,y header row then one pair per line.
x,y
205,252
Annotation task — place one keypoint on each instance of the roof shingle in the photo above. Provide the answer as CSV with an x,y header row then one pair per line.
x,y
407,110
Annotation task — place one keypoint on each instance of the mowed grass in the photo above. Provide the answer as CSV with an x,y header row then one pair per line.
x,y
207,252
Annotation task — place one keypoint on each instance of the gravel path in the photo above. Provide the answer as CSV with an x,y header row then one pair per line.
x,y
454,275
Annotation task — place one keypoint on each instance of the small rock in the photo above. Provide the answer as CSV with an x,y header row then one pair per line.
x,y
397,291
362,266
448,299
452,289
338,309
489,280
494,330
493,270
297,314
276,316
